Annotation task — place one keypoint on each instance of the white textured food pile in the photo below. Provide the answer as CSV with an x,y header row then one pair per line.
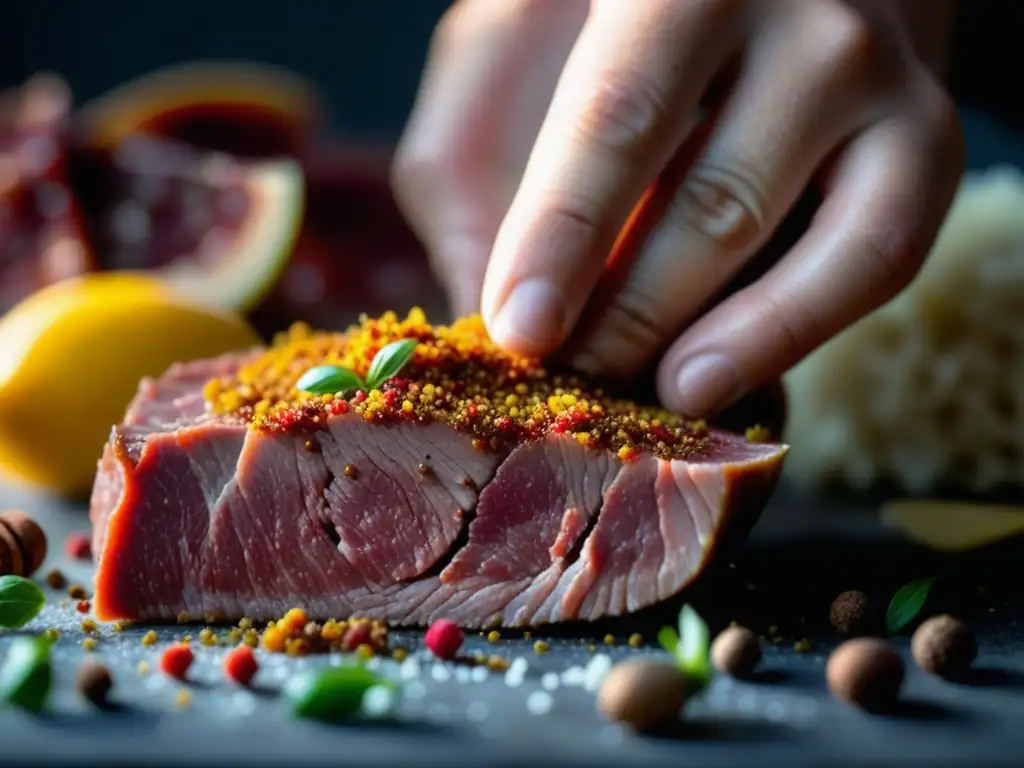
x,y
929,390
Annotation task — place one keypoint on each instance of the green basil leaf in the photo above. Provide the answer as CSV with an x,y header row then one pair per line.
x,y
389,361
333,694
328,379
907,603
26,675
693,651
669,639
21,600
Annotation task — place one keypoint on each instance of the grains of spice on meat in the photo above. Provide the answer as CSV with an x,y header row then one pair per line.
x,y
456,375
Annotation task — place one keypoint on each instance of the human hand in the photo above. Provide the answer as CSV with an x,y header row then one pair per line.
x,y
541,125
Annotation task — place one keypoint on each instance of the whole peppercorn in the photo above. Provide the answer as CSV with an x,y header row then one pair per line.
x,y
944,646
854,614
866,672
176,660
644,694
93,682
444,638
240,665
736,652
23,543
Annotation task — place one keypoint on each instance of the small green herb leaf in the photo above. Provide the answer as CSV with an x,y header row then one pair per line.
x,y
692,652
26,675
328,379
669,639
389,361
332,694
20,601
907,603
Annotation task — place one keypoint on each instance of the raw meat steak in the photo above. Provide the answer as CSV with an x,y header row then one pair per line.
x,y
474,486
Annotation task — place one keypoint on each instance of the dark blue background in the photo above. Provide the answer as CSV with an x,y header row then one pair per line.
x,y
365,55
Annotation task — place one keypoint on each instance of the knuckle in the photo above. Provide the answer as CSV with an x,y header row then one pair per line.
x,y
724,205
622,113
851,43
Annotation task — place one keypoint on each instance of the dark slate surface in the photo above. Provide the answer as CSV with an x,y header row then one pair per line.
x,y
802,553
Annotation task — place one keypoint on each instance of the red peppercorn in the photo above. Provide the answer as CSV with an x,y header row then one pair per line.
x,y
444,638
78,546
83,606
176,661
240,665
357,634
360,396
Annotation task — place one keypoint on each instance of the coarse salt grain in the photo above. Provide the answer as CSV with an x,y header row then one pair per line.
x,y
596,670
550,681
539,703
409,669
440,673
378,701
574,675
516,674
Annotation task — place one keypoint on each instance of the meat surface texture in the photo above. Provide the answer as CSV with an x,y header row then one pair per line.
x,y
198,515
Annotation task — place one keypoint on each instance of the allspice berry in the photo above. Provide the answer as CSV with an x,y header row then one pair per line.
x,y
93,682
867,673
22,544
944,646
854,614
644,694
736,652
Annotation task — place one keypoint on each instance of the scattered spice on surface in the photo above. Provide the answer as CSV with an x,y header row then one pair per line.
x,y
182,698
444,638
89,626
609,639
142,669
399,654
78,545
867,673
854,614
51,635
493,636
527,635
541,647
251,638
93,682
736,652
636,640
234,636
207,637
55,579
497,663
76,592
89,643
150,638
245,623
644,694
295,635
758,434
83,606
175,661
802,646
454,374
121,625
945,646
240,665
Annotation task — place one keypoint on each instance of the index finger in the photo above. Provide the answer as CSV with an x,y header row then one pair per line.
x,y
621,109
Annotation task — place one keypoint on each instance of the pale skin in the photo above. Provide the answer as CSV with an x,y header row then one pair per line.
x,y
541,124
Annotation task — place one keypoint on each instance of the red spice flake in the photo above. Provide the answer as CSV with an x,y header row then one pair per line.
x,y
83,606
78,546
444,638
360,397
176,660
240,665
357,634
76,592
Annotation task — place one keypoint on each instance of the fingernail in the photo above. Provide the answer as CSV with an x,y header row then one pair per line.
x,y
531,319
708,383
